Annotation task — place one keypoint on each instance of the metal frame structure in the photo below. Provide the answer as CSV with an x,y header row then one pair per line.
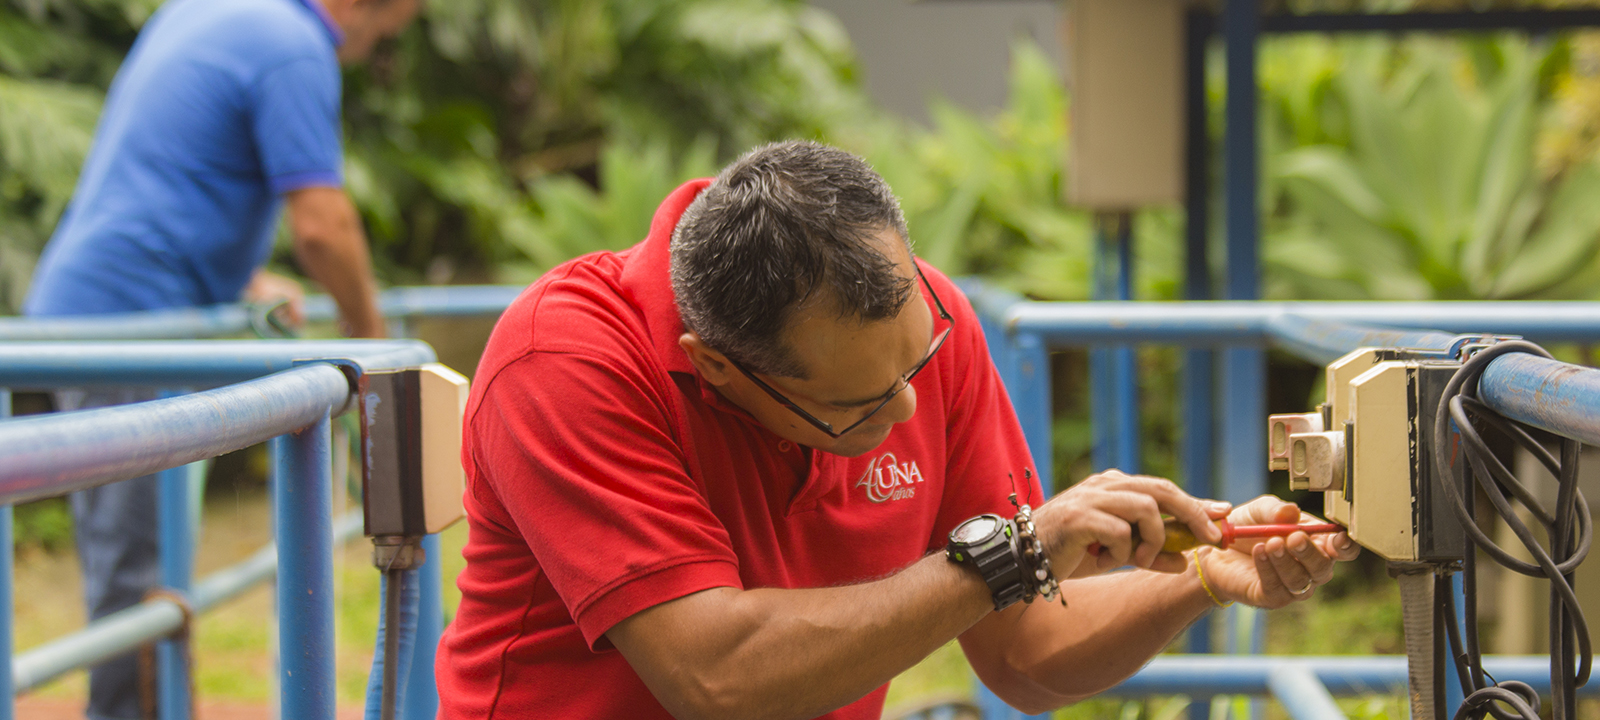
x,y
271,388
1557,397
284,392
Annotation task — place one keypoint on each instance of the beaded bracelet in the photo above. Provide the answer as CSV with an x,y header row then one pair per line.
x,y
1037,577
1206,587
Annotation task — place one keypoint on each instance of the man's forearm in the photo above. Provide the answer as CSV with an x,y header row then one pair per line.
x,y
341,266
798,653
332,249
1113,624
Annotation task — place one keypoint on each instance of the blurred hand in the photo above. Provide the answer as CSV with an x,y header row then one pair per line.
x,y
1104,508
269,288
1273,572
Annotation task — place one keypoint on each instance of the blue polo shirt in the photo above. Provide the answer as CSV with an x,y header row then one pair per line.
x,y
220,108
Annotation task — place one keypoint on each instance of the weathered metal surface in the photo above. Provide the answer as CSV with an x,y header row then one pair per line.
x,y
48,455
188,363
1548,394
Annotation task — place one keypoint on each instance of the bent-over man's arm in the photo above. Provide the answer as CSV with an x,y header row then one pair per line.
x,y
332,248
1043,656
799,653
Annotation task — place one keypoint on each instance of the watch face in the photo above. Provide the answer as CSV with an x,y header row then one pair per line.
x,y
976,529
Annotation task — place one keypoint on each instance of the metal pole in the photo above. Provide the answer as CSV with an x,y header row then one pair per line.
x,y
303,525
7,577
1113,370
1302,693
177,575
422,694
1199,366
1124,359
1032,393
1103,408
1244,369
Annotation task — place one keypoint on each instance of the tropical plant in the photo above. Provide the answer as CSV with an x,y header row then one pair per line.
x,y
53,73
1411,173
471,138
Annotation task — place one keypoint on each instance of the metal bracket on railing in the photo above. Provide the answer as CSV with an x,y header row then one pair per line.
x,y
183,640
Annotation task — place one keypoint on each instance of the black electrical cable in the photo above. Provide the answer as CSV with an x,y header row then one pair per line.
x,y
1568,526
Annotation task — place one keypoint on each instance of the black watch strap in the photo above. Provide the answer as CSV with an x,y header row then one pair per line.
x,y
996,559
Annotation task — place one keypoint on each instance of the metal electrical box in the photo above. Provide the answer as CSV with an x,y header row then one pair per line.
x,y
1125,79
1382,484
411,449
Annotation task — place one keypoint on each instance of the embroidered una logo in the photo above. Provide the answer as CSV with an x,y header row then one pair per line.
x,y
888,479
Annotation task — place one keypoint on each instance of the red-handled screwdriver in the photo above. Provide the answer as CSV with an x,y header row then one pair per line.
x,y
1180,538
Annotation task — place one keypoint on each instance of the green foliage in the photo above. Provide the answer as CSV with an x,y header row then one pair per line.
x,y
44,524
485,133
1409,173
984,197
53,73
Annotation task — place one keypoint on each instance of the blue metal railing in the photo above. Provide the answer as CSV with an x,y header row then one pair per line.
x,y
1556,396
284,392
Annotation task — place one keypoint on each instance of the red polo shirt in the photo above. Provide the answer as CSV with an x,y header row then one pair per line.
x,y
604,477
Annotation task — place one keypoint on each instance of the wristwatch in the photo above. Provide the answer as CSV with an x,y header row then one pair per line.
x,y
988,544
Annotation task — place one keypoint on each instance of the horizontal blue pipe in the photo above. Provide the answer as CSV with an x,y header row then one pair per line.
x,y
58,453
1547,394
1216,324
127,629
1324,341
188,363
222,320
1297,688
430,301
1342,675
213,321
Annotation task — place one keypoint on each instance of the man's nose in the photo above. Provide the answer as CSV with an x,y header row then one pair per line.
x,y
900,408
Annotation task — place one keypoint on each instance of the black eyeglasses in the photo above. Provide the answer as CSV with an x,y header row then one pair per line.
x,y
905,380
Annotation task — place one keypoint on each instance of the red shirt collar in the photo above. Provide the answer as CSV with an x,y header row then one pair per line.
x,y
647,278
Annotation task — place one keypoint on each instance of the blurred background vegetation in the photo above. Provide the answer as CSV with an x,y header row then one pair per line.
x,y
498,138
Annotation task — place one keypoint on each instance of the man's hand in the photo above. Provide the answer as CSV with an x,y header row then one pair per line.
x,y
1273,572
1103,510
269,288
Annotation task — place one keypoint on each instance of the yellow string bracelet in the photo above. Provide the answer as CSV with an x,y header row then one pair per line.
x,y
1203,586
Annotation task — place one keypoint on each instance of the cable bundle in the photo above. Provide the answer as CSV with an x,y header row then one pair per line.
x,y
1569,527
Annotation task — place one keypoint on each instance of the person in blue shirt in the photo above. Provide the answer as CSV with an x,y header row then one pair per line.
x,y
223,116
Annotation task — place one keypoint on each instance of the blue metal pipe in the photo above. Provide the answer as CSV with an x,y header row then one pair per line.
x,y
49,455
176,549
7,578
223,320
203,322
422,695
1324,341
1547,394
1303,695
429,301
118,633
190,363
303,513
1225,323
1342,675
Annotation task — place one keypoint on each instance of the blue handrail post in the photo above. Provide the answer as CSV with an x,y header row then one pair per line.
x,y
1244,368
1023,362
422,694
303,504
1113,370
1032,395
7,607
177,575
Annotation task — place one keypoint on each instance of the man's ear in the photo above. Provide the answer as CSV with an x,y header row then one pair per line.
x,y
712,365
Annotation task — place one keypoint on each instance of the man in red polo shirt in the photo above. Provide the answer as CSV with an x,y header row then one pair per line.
x,y
759,464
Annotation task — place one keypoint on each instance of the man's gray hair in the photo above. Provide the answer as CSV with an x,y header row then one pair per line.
x,y
775,227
